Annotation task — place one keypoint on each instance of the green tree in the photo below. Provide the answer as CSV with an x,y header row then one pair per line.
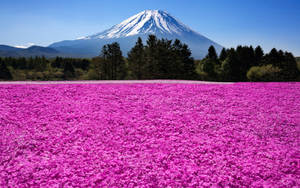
x,y
4,71
246,59
30,63
259,54
166,66
223,54
273,58
209,67
69,71
136,60
112,55
57,63
230,67
151,63
212,54
188,70
289,67
211,63
99,69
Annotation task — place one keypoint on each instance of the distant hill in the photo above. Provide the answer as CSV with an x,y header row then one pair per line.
x,y
5,48
9,51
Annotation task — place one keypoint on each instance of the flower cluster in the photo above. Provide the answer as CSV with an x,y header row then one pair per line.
x,y
150,135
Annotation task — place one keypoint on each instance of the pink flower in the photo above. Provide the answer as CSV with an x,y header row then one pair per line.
x,y
126,135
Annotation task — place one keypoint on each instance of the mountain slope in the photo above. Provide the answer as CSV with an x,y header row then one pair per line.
x,y
146,22
156,22
9,51
9,48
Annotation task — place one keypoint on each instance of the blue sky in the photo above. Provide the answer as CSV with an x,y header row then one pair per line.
x,y
269,23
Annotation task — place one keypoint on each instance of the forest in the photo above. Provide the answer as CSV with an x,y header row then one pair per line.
x,y
159,59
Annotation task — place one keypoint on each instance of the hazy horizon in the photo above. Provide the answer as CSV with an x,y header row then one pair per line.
x,y
271,23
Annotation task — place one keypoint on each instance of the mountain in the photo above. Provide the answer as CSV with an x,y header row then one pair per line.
x,y
9,48
9,51
156,22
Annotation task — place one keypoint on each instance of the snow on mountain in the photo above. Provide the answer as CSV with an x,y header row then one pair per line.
x,y
147,22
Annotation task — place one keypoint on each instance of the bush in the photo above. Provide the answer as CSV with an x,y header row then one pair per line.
x,y
265,73
18,75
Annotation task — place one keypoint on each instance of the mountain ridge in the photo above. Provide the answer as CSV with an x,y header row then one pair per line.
x,y
145,23
10,51
157,22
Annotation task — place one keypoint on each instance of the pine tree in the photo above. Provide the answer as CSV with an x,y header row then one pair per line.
x,y
223,54
69,71
289,67
4,71
188,63
151,64
259,54
211,63
272,58
165,66
136,60
212,54
112,55
230,67
115,57
246,59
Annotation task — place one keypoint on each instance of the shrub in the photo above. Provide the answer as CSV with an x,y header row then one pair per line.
x,y
264,73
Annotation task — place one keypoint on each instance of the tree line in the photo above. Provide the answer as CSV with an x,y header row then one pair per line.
x,y
247,64
158,59
41,68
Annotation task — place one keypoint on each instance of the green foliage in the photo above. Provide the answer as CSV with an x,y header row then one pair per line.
x,y
209,66
40,68
264,73
298,62
136,60
184,61
230,67
100,69
4,71
285,61
223,54
114,64
258,55
212,54
159,59
246,59
69,72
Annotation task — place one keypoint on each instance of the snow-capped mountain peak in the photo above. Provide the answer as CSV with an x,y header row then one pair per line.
x,y
156,22
145,22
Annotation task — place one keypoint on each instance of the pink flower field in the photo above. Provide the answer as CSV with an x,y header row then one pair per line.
x,y
150,135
